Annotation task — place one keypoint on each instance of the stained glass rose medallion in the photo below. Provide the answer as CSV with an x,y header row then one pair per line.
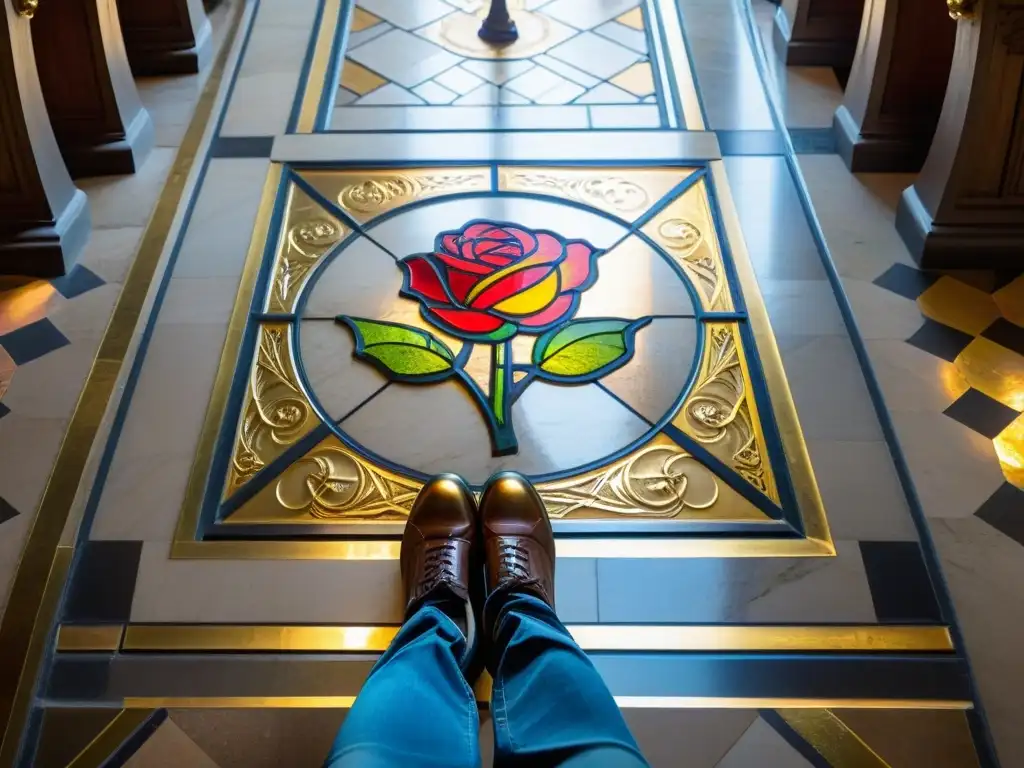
x,y
487,283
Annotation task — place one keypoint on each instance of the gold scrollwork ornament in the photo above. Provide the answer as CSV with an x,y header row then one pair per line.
x,y
367,196
617,193
658,481
26,8
333,483
962,10
276,410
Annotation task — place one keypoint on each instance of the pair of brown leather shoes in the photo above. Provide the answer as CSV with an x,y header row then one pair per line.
x,y
449,539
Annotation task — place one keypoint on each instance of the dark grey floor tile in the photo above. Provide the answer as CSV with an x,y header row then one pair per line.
x,y
979,412
7,511
4,410
242,146
1004,511
900,587
1006,334
940,340
906,281
775,228
76,282
103,582
813,141
33,341
751,143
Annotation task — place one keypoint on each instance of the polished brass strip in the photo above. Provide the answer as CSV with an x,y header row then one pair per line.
x,y
812,508
624,702
591,637
17,693
188,520
831,738
188,548
117,732
40,576
318,79
78,638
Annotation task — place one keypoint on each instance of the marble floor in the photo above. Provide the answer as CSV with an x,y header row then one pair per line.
x,y
620,256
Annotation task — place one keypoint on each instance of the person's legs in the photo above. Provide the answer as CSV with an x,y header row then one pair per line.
x,y
550,706
416,708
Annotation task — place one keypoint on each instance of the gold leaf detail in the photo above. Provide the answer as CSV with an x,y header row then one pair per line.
x,y
276,413
614,191
659,481
370,195
683,239
718,410
306,242
333,483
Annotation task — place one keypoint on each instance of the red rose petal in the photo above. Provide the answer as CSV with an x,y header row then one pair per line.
x,y
473,267
450,243
514,283
460,283
577,266
476,230
559,307
467,249
467,320
423,280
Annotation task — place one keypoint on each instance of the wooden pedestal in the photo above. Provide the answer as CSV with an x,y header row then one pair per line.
x,y
165,37
897,85
44,218
966,209
817,32
100,124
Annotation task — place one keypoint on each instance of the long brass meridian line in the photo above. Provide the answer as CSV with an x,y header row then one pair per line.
x,y
42,571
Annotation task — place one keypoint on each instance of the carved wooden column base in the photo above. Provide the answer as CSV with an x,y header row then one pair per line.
x,y
817,32
966,208
51,248
100,123
896,87
165,37
966,246
44,218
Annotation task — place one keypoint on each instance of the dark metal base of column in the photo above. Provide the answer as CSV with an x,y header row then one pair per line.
x,y
145,60
809,53
48,251
974,246
877,154
111,158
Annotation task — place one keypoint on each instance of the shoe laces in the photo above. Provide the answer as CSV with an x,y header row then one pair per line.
x,y
439,564
513,561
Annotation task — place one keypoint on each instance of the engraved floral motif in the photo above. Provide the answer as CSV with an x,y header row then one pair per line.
x,y
617,193
658,481
276,413
333,483
370,195
717,411
683,239
305,243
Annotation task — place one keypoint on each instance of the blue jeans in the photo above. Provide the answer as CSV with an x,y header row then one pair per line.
x,y
549,705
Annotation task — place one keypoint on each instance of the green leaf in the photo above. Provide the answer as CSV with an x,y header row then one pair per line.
x,y
401,350
586,347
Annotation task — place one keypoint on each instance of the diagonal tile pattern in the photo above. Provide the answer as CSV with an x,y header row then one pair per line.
x,y
397,56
